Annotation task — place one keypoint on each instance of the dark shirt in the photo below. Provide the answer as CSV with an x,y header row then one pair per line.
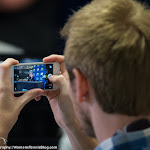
x,y
31,79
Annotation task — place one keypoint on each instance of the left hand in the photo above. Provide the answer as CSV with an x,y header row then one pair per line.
x,y
11,106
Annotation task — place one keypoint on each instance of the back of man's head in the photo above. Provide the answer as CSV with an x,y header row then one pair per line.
x,y
109,42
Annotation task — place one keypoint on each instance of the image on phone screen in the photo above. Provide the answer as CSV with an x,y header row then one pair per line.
x,y
28,77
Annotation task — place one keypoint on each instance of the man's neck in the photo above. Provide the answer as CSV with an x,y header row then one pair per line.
x,y
105,125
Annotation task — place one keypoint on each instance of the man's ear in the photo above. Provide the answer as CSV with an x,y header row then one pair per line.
x,y
81,85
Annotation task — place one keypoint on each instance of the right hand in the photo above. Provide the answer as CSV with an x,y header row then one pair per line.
x,y
63,111
59,100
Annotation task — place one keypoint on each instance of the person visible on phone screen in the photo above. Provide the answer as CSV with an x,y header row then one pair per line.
x,y
31,77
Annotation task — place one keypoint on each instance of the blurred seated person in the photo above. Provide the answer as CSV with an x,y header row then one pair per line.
x,y
31,77
34,23
14,5
7,46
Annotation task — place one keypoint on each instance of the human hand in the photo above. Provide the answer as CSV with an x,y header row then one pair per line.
x,y
59,100
62,108
10,106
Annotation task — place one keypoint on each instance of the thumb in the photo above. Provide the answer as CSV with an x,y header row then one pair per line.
x,y
28,96
58,80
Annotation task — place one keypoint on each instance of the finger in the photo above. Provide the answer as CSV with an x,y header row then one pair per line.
x,y
57,79
28,96
38,98
51,94
4,70
54,58
9,62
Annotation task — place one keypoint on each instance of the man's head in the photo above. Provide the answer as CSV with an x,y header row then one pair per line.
x,y
31,73
108,42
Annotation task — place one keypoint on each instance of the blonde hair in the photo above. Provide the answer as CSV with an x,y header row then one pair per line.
x,y
109,42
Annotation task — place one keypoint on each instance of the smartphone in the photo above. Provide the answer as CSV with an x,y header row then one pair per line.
x,y
26,76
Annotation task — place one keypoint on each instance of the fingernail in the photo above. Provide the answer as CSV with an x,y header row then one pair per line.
x,y
51,77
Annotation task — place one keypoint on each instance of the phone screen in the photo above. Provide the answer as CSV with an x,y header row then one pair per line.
x,y
28,77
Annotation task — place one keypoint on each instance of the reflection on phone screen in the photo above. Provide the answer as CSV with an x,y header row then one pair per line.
x,y
27,77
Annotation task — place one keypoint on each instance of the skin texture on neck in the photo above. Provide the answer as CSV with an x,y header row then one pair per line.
x,y
93,119
105,125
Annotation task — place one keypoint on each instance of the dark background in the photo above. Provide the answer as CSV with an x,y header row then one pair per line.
x,y
36,30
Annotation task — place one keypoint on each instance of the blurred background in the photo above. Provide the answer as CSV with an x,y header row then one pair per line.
x,y
29,31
